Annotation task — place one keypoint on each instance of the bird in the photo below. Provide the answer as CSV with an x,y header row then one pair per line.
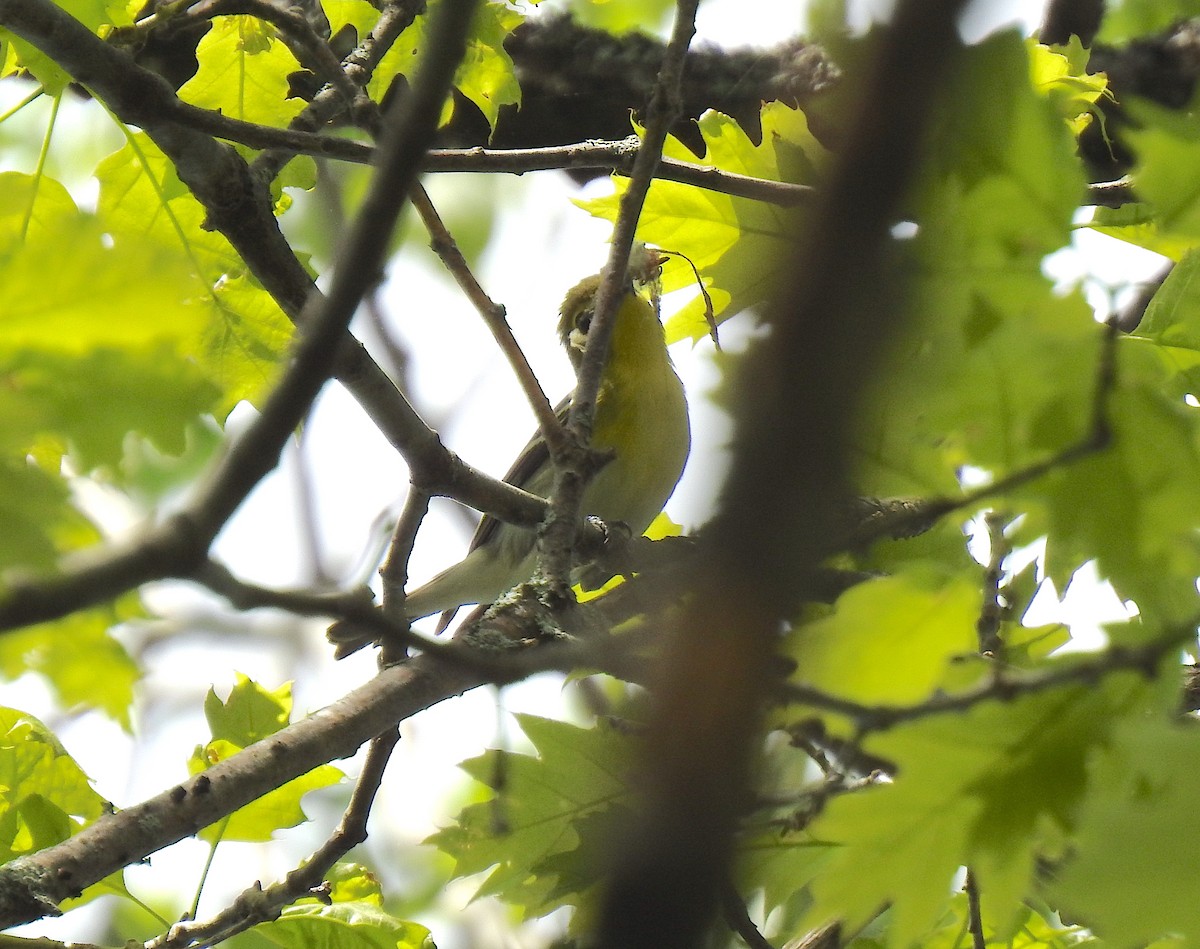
x,y
640,425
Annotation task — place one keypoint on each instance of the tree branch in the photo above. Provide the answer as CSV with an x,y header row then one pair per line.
x,y
974,912
738,919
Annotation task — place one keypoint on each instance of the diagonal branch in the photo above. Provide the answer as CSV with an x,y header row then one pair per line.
x,y
493,314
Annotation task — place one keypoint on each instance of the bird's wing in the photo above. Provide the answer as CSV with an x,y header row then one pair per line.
x,y
534,457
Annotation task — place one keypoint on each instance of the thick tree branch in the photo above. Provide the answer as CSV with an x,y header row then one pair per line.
x,y
581,83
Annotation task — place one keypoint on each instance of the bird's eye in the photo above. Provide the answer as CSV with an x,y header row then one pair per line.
x,y
583,321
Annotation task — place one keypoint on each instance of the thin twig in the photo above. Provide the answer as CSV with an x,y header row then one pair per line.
x,y
394,572
359,622
974,913
493,314
908,518
987,625
873,718
733,908
615,156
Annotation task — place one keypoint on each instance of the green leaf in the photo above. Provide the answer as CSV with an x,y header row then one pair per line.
x,y
245,334
94,14
1173,317
622,16
1022,139
356,13
243,72
988,789
1128,19
531,832
970,384
890,640
781,863
250,714
38,519
1171,324
353,883
33,207
1132,837
93,402
1167,144
1135,224
992,369
247,341
1134,506
126,294
148,474
63,325
1029,930
738,245
79,658
33,761
1060,73
485,76
141,197
44,795
343,926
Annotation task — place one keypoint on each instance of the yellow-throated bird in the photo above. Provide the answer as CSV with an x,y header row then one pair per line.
x,y
641,421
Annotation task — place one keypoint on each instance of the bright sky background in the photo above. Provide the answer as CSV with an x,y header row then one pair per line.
x,y
543,246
